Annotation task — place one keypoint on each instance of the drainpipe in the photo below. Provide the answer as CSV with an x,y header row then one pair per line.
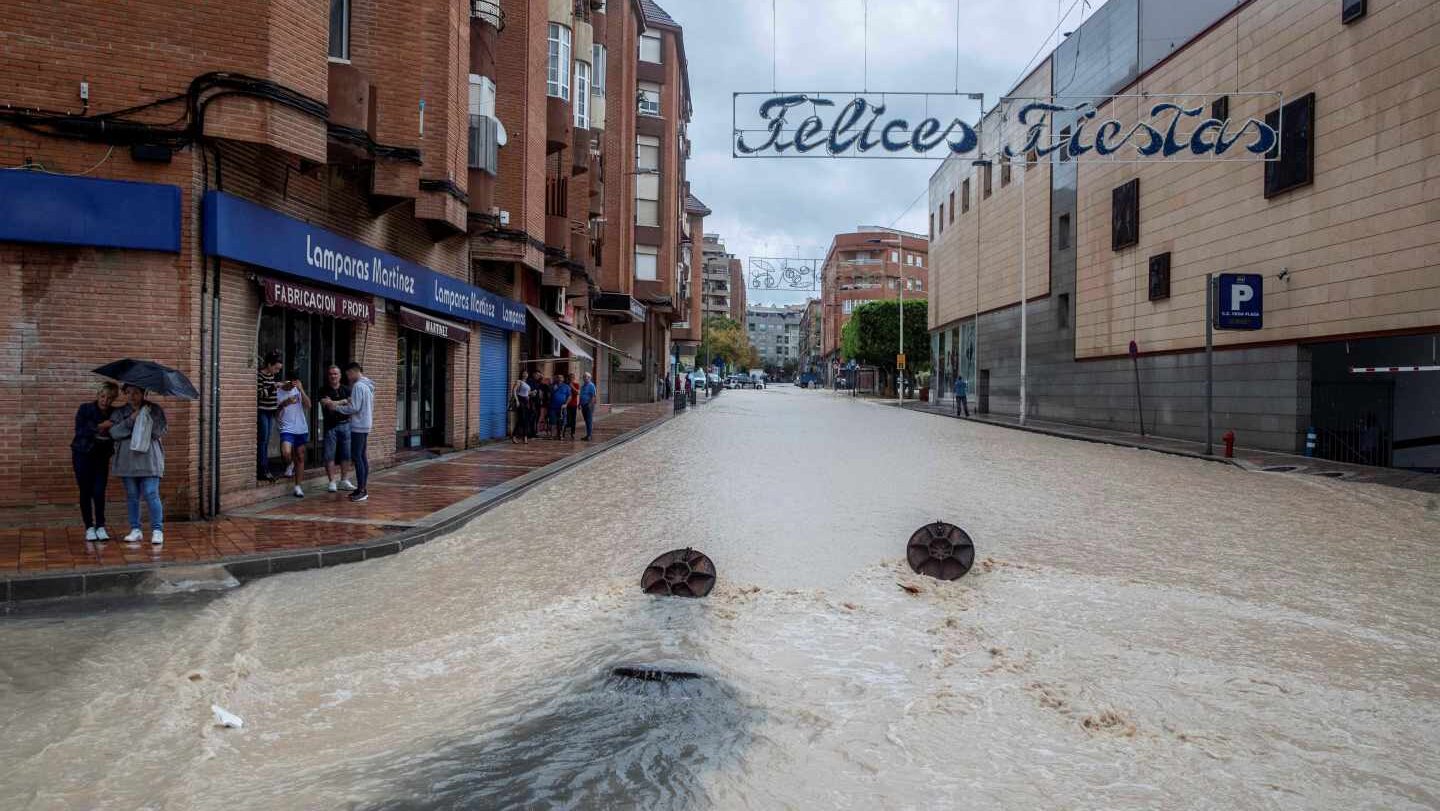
x,y
215,364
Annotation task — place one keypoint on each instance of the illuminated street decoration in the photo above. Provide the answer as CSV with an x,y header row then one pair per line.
x,y
1124,129
773,273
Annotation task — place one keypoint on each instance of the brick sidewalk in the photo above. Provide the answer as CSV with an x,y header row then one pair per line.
x,y
401,498
1249,458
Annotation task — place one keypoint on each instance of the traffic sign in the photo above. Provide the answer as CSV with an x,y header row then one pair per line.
x,y
900,361
1241,301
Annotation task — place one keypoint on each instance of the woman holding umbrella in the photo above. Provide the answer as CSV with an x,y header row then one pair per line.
x,y
138,428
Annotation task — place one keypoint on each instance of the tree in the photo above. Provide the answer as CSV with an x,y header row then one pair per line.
x,y
872,335
724,339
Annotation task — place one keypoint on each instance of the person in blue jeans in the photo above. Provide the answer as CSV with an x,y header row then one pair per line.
x,y
267,379
587,404
559,398
360,407
962,390
138,428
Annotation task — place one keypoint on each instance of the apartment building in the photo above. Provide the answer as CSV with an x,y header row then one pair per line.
x,y
775,333
811,345
867,264
717,283
1342,231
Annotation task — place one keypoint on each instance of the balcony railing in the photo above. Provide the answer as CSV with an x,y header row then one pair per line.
x,y
488,11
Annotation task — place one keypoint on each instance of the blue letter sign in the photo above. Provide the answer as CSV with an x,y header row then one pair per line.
x,y
1241,303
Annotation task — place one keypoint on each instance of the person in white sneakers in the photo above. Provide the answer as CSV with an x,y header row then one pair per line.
x,y
90,452
138,428
338,467
294,429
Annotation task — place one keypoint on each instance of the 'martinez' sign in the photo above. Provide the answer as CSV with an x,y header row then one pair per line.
x,y
1139,128
240,230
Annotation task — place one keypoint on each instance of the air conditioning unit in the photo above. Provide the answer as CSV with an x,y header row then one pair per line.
x,y
555,301
550,346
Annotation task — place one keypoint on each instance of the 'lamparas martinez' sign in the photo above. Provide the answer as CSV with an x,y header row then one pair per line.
x,y
933,125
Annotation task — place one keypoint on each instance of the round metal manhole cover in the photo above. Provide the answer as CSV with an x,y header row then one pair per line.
x,y
1280,469
680,573
940,550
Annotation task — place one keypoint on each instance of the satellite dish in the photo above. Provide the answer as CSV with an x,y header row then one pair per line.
x,y
501,137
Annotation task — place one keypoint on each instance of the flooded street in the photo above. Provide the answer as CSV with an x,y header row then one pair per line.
x,y
1139,630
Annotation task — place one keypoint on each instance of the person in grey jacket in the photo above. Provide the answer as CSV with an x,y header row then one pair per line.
x,y
138,428
361,408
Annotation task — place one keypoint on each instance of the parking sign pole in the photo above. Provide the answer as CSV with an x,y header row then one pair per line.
x,y
1209,364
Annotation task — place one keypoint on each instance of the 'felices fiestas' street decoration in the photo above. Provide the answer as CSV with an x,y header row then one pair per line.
x,y
904,125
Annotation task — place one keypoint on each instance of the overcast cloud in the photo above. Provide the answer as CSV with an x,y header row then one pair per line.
x,y
778,207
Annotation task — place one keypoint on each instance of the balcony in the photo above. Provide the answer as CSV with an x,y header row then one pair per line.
x,y
488,11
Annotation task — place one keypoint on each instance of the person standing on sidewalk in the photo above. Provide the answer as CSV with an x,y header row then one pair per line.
x,y
338,468
266,406
360,408
139,460
962,391
520,404
294,430
587,404
559,399
572,406
90,454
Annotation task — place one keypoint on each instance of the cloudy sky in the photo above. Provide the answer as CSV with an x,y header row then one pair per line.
x,y
778,207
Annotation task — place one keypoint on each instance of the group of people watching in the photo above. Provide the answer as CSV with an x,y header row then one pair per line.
x,y
551,405
348,401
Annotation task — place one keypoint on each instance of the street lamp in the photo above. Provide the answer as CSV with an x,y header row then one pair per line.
x,y
899,244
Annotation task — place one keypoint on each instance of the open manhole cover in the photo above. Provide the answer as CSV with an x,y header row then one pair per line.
x,y
940,550
680,573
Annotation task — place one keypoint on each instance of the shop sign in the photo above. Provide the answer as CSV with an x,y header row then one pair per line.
x,y
39,207
245,232
434,327
280,293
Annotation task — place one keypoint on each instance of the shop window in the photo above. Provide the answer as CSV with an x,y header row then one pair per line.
x,y
557,77
340,30
1220,109
1160,276
421,389
1062,233
1295,166
308,344
1351,10
1125,215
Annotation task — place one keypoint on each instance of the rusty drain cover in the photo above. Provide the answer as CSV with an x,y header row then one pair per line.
x,y
940,550
681,573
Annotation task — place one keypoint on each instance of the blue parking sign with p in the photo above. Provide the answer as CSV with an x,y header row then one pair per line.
x,y
1241,301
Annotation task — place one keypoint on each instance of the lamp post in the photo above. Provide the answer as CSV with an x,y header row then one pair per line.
x,y
899,244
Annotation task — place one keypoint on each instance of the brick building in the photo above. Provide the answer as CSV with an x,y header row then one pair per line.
x,y
418,187
1342,231
717,286
811,346
867,264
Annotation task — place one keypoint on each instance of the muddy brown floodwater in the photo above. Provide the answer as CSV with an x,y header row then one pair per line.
x,y
1141,631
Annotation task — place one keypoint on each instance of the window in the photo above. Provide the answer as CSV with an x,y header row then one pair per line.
x,y
1062,233
650,50
952,208
582,95
557,77
932,225
895,256
340,29
1160,276
483,142
942,217
647,259
964,197
1062,310
920,284
1125,215
1064,144
648,100
597,78
1032,158
647,153
1296,166
1004,171
1220,108
985,173
1351,10
848,307
752,326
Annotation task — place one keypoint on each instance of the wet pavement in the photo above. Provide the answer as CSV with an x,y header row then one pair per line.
x,y
400,498
1140,631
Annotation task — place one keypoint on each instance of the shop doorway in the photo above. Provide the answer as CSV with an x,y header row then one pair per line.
x,y
308,344
422,387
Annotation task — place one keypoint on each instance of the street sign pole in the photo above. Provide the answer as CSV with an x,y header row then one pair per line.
x,y
1209,364
1024,319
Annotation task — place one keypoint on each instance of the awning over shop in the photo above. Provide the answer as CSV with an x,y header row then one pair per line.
x,y
592,339
303,297
430,325
560,335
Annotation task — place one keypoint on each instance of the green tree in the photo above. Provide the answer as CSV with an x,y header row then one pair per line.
x,y
724,339
872,335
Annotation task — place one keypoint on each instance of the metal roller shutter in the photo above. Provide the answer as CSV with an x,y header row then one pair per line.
x,y
494,382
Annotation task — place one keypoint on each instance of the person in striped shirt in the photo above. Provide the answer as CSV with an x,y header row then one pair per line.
x,y
267,404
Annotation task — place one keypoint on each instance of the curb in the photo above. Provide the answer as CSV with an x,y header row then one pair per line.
x,y
253,567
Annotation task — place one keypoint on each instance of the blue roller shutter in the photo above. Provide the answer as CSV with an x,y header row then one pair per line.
x,y
494,382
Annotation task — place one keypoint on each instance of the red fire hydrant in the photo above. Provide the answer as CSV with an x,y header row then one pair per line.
x,y
1229,440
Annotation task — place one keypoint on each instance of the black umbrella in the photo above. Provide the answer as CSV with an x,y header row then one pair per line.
x,y
150,376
